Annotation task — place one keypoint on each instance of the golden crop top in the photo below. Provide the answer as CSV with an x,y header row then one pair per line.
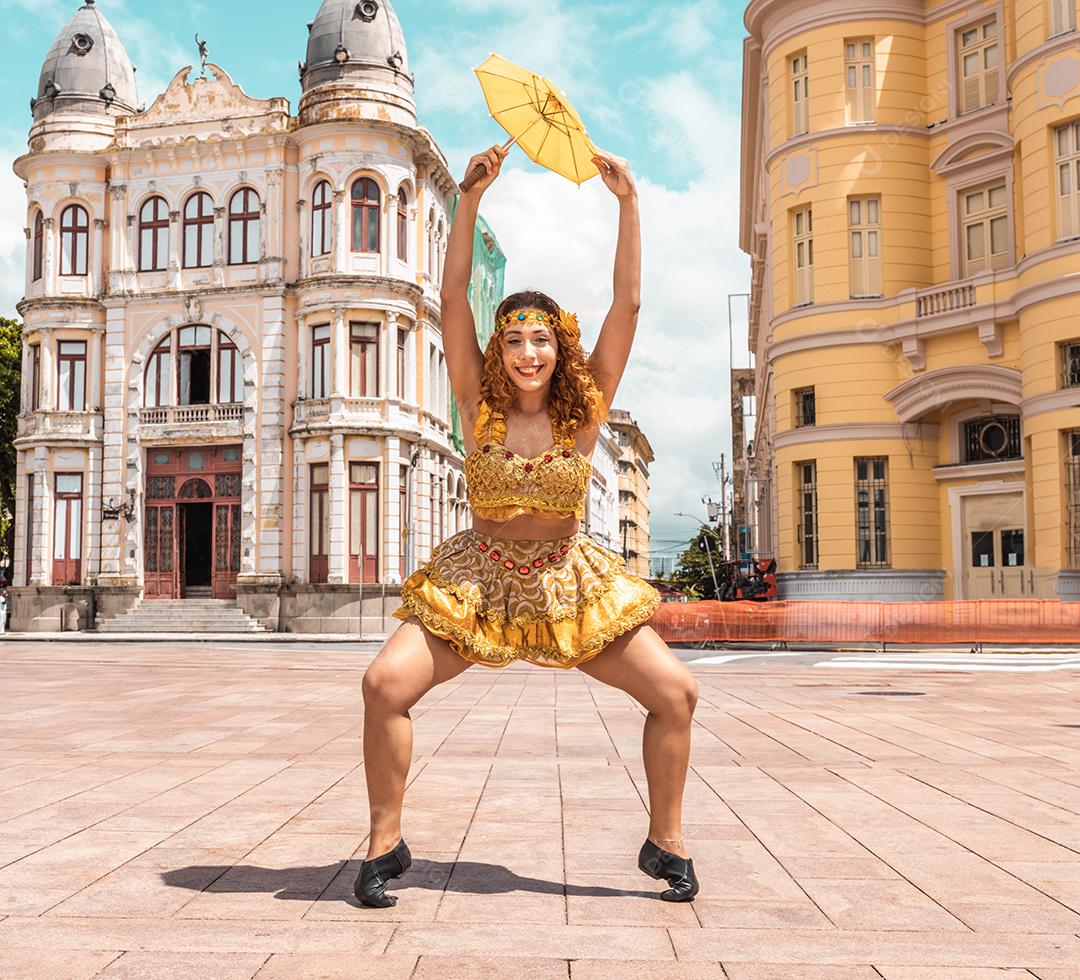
x,y
503,485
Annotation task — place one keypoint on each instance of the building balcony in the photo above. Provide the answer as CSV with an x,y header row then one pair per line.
x,y
49,426
944,299
185,422
336,412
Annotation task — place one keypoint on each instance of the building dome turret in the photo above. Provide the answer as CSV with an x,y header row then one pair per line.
x,y
87,69
356,55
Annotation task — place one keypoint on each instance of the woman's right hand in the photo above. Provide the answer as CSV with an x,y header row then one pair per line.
x,y
491,160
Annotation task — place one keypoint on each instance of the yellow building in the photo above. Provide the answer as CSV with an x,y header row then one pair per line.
x,y
633,465
911,205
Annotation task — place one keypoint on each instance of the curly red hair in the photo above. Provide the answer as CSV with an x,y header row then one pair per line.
x,y
575,401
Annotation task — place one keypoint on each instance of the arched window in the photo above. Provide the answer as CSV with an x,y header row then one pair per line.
x,y
153,235
402,225
74,240
198,231
230,371
321,219
208,369
158,375
365,215
244,227
38,251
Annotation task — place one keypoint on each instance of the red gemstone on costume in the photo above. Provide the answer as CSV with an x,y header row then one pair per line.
x,y
487,449
509,455
547,459
482,546
537,562
553,556
524,569
528,467
566,453
508,563
494,556
565,548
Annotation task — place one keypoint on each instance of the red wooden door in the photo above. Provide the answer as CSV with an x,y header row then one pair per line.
x,y
226,550
160,579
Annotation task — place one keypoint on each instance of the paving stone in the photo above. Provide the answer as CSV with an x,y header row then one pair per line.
x,y
170,810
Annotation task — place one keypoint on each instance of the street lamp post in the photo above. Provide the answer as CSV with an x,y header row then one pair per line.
x,y
708,551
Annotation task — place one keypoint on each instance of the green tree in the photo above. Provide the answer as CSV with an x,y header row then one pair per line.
x,y
10,390
692,572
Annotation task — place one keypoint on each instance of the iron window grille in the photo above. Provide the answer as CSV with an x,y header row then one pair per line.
x,y
992,438
1071,365
807,528
805,407
871,512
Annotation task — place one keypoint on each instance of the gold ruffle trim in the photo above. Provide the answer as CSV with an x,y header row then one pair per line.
x,y
477,646
514,505
469,597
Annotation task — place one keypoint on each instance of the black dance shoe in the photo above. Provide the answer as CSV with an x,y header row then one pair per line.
x,y
376,874
679,872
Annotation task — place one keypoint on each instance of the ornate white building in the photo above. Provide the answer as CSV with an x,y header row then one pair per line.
x,y
234,378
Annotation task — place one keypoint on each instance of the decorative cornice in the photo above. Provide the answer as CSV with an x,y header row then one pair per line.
x,y
1061,42
916,397
1061,400
973,471
814,434
910,328
951,159
857,130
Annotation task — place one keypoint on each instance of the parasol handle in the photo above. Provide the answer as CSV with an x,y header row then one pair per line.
x,y
479,170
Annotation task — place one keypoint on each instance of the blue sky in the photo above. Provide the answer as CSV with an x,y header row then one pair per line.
x,y
657,83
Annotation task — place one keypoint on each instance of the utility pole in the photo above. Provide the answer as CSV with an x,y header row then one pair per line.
x,y
720,469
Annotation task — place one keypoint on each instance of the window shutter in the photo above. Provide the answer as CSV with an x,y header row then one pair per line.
x,y
873,265
970,94
990,77
858,264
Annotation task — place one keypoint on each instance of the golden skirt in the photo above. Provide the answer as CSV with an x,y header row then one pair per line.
x,y
553,603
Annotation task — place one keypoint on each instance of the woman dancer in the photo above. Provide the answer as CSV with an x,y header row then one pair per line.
x,y
523,583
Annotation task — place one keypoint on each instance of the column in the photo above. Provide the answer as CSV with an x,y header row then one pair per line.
x,y
387,354
301,564
220,254
92,509
305,229
95,368
341,232
47,397
175,234
39,553
50,271
271,439
390,475
303,343
113,463
97,263
339,349
339,541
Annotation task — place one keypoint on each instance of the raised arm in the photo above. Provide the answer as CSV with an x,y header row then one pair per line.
x,y
464,359
609,357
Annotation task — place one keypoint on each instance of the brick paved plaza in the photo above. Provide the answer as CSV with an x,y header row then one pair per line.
x,y
184,811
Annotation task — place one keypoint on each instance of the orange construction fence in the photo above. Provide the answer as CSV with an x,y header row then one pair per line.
x,y
972,621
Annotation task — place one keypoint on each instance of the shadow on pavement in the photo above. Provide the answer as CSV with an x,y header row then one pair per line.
x,y
309,883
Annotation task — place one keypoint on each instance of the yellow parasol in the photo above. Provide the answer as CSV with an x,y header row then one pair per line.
x,y
538,117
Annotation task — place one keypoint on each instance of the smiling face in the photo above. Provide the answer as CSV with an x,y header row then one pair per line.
x,y
530,351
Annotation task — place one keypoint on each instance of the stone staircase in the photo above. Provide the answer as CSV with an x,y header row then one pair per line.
x,y
195,615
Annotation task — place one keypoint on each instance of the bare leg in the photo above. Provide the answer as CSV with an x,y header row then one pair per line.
x,y
411,663
642,665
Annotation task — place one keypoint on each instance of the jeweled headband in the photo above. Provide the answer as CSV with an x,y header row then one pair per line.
x,y
568,320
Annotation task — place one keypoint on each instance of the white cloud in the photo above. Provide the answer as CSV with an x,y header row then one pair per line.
x,y
12,235
561,239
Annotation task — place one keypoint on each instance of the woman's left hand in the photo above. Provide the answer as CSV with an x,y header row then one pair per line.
x,y
615,172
